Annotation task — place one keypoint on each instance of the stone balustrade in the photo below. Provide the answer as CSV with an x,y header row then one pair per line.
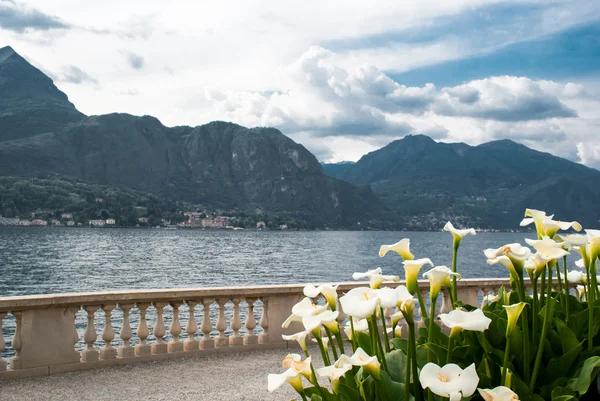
x,y
56,333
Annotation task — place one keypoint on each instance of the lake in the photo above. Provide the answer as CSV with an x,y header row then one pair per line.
x,y
58,260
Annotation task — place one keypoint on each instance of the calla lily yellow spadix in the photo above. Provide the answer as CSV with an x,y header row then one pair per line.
x,y
499,393
411,271
375,276
449,381
327,290
401,247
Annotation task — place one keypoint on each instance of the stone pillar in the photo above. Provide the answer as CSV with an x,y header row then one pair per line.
x,y
175,345
206,326
126,350
236,324
159,347
278,308
108,334
250,337
191,328
143,348
221,340
90,354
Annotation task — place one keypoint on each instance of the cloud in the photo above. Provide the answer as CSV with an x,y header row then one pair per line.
x,y
74,75
502,98
135,60
20,18
589,153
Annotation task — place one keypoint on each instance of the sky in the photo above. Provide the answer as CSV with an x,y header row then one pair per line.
x,y
343,78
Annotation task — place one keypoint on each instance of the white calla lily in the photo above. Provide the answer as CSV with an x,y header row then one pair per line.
x,y
537,217
375,276
401,247
438,276
576,277
513,312
551,227
369,363
499,393
579,263
388,297
290,376
463,320
581,292
324,341
576,239
313,323
327,290
334,374
360,303
450,380
295,362
536,264
411,271
548,248
303,308
298,337
458,234
594,245
489,299
360,325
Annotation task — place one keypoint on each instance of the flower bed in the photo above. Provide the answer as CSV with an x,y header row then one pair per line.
x,y
517,346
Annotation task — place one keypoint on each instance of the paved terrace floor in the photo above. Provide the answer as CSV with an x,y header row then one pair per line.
x,y
229,377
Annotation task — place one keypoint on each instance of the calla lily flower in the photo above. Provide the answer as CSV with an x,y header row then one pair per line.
x,y
369,363
397,330
579,263
411,271
513,312
312,323
499,393
325,342
450,380
489,299
303,308
516,253
360,303
594,245
581,292
537,217
293,376
457,234
458,320
536,264
576,239
576,276
401,247
388,297
299,337
375,277
334,374
552,226
396,317
548,248
403,296
438,276
360,325
328,291
506,262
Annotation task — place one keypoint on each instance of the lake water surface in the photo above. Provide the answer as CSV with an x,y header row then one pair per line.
x,y
58,260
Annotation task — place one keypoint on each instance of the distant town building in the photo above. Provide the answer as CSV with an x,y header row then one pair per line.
x,y
66,216
110,222
283,227
70,223
143,220
24,223
97,223
207,223
99,200
221,221
39,223
56,222
261,225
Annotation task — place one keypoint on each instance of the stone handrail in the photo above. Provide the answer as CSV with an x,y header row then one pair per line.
x,y
45,335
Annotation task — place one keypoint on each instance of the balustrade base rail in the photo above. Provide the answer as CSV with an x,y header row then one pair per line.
x,y
45,334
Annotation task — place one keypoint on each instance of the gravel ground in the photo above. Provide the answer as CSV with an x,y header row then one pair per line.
x,y
218,378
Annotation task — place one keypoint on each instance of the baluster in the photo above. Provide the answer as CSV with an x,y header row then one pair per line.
x,y
250,337
159,347
236,324
175,329
143,348
206,326
126,350
2,343
15,361
446,303
75,333
108,334
90,354
263,337
191,344
221,340
468,295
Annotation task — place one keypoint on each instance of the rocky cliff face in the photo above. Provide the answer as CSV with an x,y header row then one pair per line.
x,y
30,103
217,165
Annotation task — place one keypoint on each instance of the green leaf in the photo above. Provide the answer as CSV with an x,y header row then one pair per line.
x,y
400,343
561,366
581,383
396,362
364,342
562,394
438,353
350,393
316,397
391,389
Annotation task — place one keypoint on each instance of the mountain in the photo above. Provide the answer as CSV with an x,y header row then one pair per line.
x,y
30,103
336,169
217,165
488,185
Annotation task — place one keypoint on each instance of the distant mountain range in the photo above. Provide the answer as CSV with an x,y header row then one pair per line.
x,y
488,185
413,183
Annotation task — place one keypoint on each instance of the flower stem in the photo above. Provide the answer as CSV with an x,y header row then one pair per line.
x,y
377,341
525,327
353,334
331,343
567,292
535,312
324,354
543,289
422,306
505,364
412,343
408,367
450,345
454,295
340,342
547,318
387,339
